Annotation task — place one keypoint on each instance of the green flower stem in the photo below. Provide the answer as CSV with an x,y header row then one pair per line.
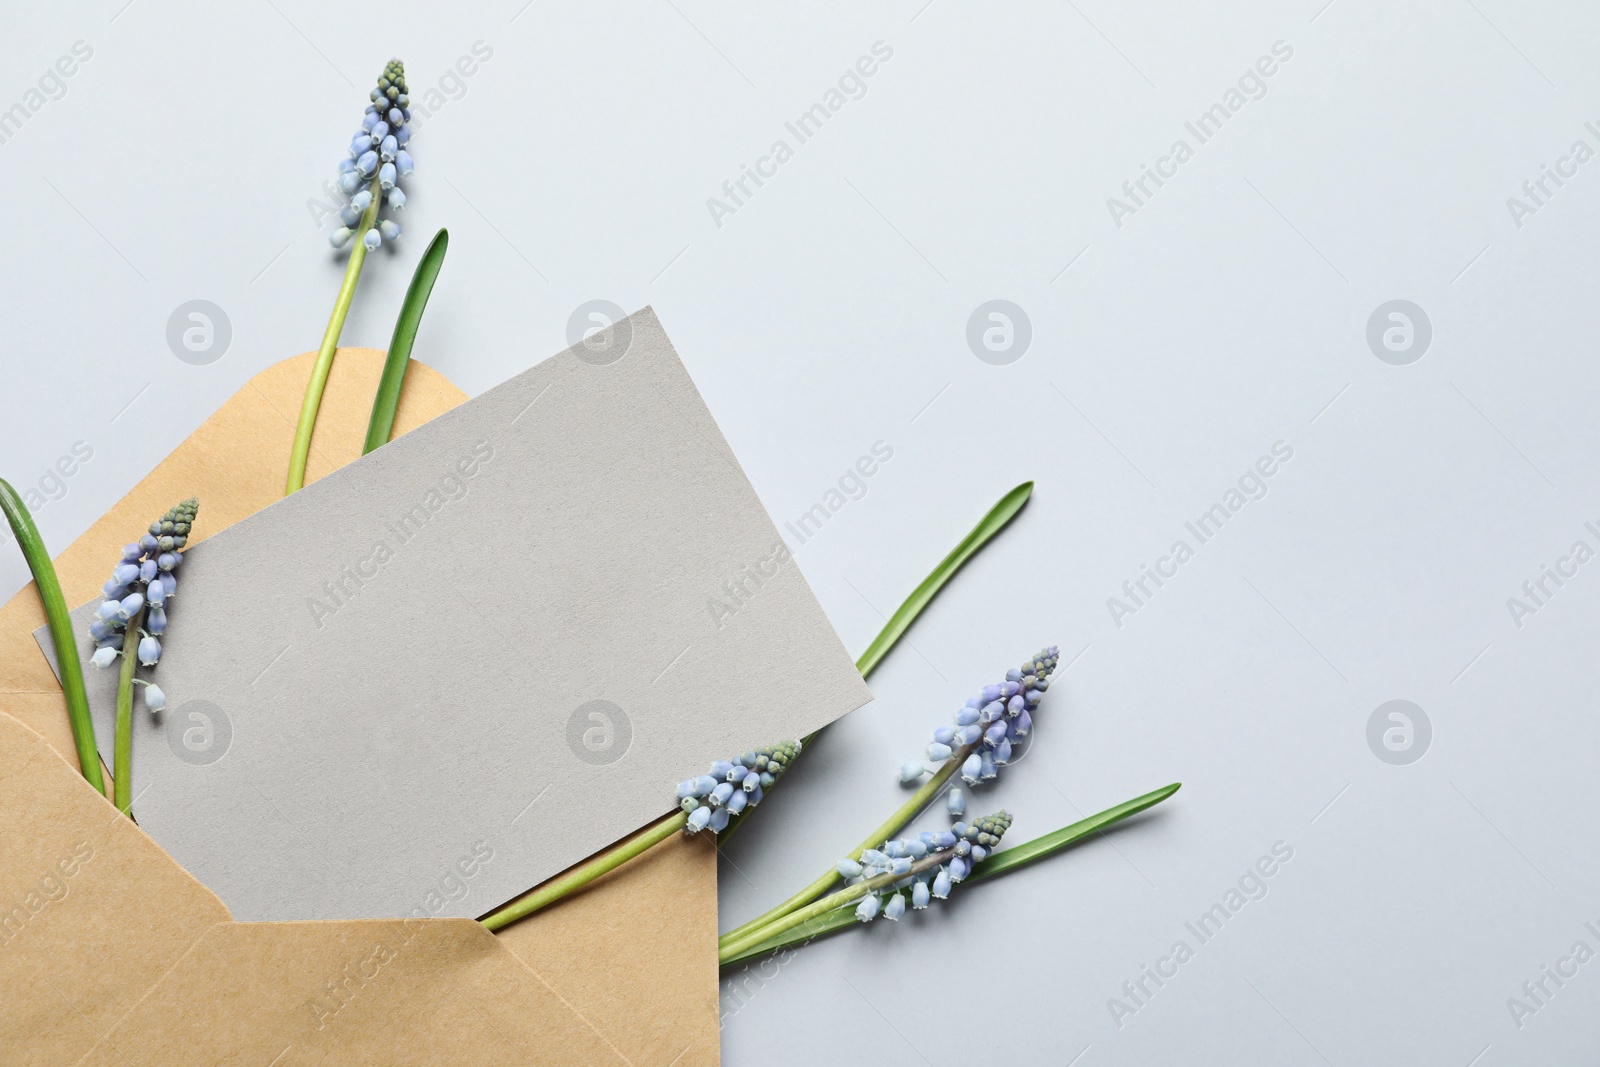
x,y
902,815
330,345
122,769
61,635
585,874
737,946
1002,862
996,519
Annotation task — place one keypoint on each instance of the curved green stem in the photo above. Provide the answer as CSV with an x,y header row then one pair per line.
x,y
993,521
582,876
330,345
1002,862
61,635
122,769
902,815
739,945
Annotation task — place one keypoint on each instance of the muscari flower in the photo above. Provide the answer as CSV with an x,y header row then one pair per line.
x,y
929,864
140,586
713,799
989,726
377,161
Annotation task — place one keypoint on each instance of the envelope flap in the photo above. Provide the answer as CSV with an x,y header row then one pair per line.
x,y
92,912
381,992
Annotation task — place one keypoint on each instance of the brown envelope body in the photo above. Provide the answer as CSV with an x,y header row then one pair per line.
x,y
129,960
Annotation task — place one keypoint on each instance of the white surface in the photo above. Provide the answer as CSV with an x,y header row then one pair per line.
x,y
1227,314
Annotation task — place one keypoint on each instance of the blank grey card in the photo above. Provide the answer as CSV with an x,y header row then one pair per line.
x,y
492,646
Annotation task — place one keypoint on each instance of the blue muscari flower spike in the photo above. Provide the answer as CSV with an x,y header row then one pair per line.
x,y
931,864
142,585
992,724
733,786
377,161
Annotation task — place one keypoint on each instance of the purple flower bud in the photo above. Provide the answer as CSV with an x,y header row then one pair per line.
x,y
147,570
402,162
149,651
959,868
104,656
848,868
971,769
944,735
130,605
154,698
698,818
155,620
719,820
721,793
919,896
167,560
126,574
737,802
955,803
867,910
896,908
938,752
367,164
132,552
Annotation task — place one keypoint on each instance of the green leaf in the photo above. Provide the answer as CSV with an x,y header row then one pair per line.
x,y
55,610
1009,859
991,524
405,335
1002,862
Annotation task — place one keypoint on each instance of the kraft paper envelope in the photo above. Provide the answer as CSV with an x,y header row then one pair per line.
x,y
631,958
461,664
111,955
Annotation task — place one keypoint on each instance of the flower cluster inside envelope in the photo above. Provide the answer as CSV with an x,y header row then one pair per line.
x,y
457,666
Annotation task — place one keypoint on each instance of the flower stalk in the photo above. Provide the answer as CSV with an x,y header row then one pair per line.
x,y
583,875
122,751
330,345
727,948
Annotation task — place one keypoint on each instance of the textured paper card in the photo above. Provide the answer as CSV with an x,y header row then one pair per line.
x,y
632,956
457,666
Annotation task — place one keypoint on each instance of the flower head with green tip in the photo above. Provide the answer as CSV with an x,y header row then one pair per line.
x,y
990,726
929,865
732,786
378,159
141,585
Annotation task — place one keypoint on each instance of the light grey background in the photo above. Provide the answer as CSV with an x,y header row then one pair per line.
x,y
1228,313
